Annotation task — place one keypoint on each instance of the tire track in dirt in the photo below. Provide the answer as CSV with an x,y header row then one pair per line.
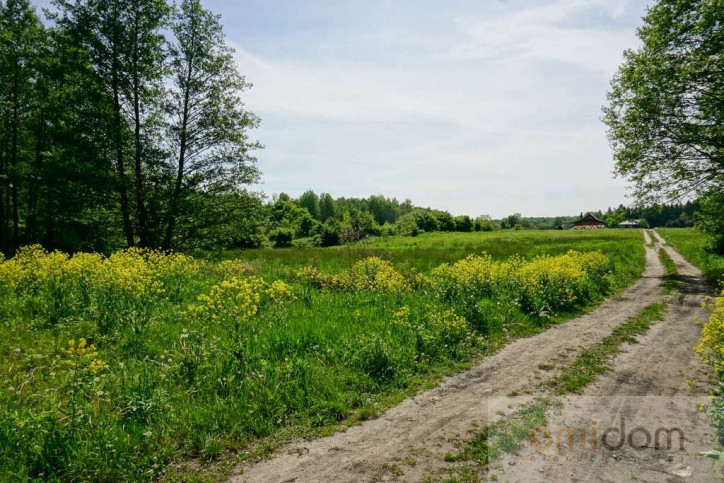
x,y
657,383
423,427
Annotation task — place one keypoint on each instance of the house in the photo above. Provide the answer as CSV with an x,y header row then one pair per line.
x,y
630,224
588,222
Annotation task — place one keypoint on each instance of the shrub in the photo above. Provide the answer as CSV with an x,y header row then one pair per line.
x,y
330,233
711,346
282,237
711,351
373,275
463,223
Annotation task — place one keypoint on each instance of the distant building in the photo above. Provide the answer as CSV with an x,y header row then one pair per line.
x,y
588,222
630,224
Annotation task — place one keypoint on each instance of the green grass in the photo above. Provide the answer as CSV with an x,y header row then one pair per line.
x,y
691,243
672,275
178,389
427,251
598,358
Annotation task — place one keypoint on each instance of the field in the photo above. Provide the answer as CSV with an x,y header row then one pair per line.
x,y
123,367
691,243
427,251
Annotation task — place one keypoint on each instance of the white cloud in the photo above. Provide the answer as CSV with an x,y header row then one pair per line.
x,y
490,111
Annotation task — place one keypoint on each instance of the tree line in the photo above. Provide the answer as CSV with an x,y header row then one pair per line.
x,y
321,220
121,124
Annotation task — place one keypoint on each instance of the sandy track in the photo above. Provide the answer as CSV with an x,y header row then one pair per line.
x,y
647,387
422,427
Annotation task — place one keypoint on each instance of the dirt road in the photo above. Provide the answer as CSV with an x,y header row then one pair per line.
x,y
409,441
657,383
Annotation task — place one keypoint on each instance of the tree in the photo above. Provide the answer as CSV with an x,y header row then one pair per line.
x,y
484,223
463,223
209,122
666,104
310,201
21,39
327,208
511,221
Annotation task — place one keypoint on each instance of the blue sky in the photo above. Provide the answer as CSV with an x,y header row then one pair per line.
x,y
476,107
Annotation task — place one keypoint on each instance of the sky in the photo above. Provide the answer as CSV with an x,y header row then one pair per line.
x,y
472,106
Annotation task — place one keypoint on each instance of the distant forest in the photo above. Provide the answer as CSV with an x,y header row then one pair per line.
x,y
314,220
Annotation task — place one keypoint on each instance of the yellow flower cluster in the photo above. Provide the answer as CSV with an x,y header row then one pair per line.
x,y
167,265
475,274
127,271
449,327
31,267
235,300
133,271
711,346
544,282
80,356
401,318
279,292
372,274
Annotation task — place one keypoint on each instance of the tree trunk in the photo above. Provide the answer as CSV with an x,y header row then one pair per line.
x,y
34,194
176,195
142,214
120,162
3,190
14,162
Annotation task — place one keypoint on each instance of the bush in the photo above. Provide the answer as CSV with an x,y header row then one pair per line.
x,y
357,225
407,226
711,351
445,221
425,220
282,237
330,233
463,223
483,224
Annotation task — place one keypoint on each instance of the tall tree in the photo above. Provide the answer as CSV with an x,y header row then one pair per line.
x,y
310,201
208,121
327,208
666,104
21,40
144,68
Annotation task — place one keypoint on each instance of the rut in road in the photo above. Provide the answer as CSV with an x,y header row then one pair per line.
x,y
422,427
657,383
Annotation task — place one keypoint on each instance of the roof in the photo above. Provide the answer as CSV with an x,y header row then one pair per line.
x,y
630,222
590,217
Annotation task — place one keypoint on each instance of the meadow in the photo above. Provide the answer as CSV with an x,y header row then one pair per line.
x,y
691,243
132,365
427,251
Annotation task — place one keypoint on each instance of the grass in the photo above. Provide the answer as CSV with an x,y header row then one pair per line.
x,y
691,243
174,394
672,275
427,251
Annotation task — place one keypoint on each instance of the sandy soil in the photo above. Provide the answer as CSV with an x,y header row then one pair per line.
x,y
657,383
409,441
